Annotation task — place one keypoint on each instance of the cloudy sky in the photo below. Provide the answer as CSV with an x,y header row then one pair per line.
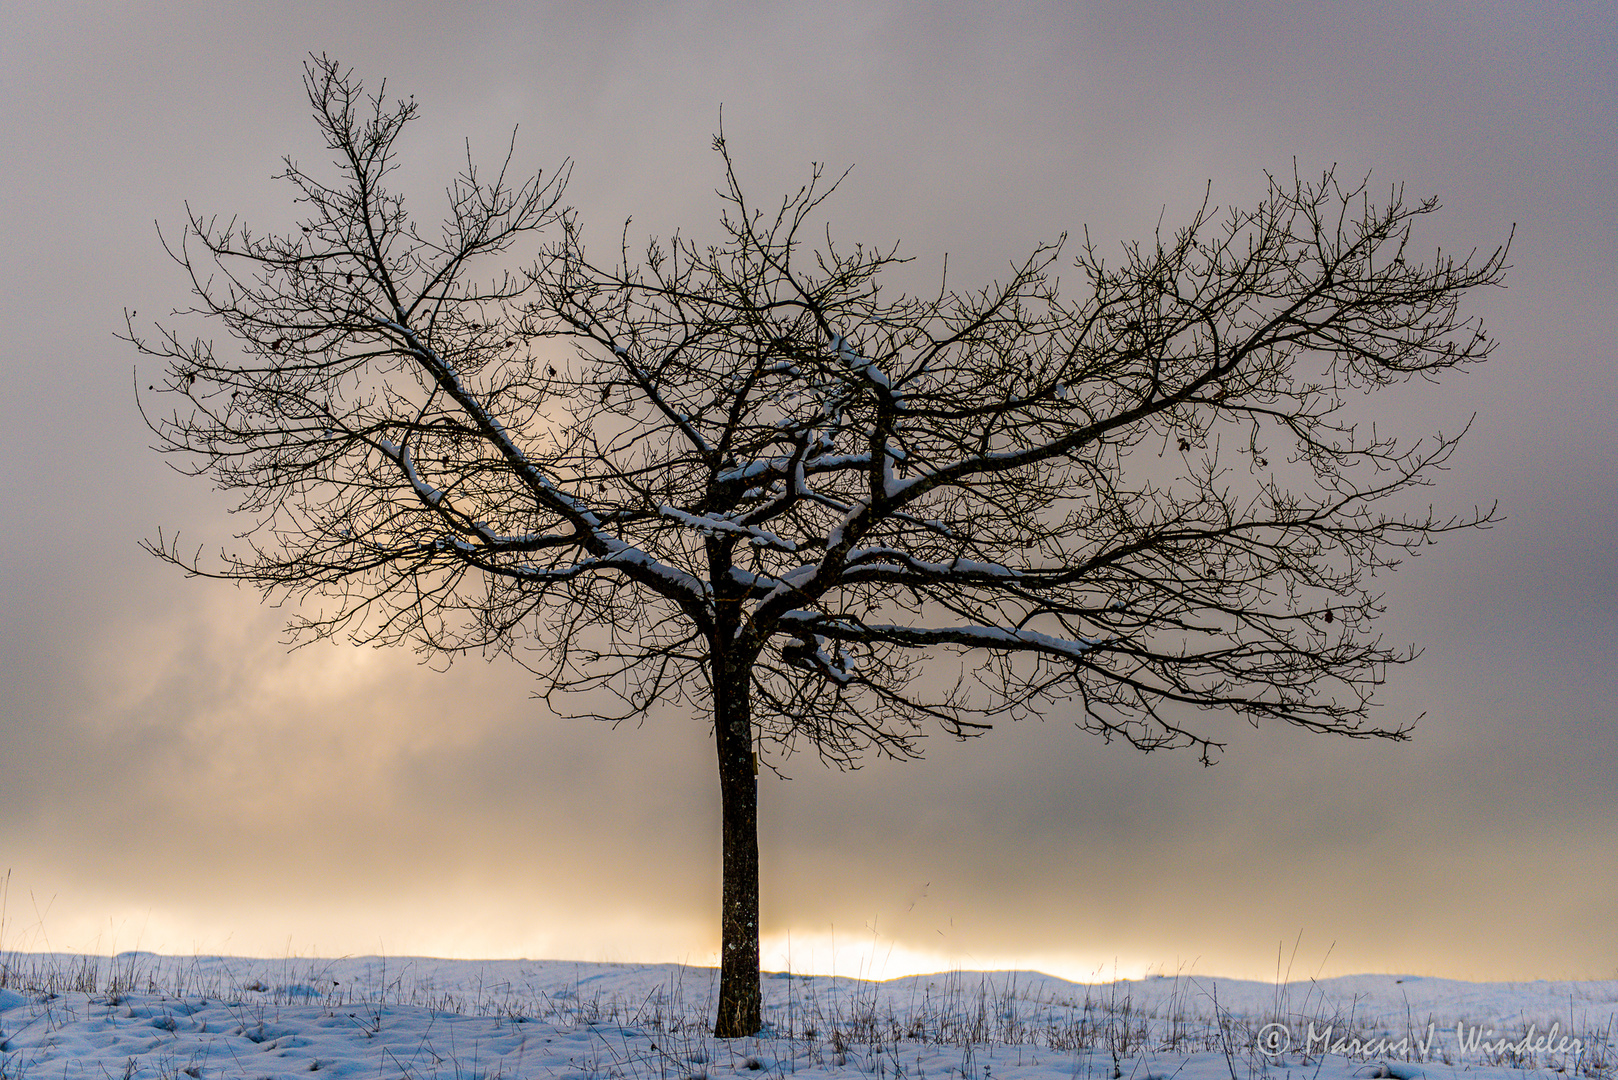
x,y
172,779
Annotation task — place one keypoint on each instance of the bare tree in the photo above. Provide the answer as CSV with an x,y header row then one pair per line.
x,y
741,478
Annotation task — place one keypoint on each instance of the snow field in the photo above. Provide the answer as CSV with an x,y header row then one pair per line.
x,y
140,1016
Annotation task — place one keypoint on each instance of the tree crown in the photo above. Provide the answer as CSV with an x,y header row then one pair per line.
x,y
746,456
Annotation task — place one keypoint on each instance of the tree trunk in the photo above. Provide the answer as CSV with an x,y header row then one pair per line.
x,y
740,1000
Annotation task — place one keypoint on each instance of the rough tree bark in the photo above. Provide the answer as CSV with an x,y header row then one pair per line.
x,y
740,996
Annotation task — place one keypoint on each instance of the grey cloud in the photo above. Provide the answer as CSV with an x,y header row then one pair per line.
x,y
163,759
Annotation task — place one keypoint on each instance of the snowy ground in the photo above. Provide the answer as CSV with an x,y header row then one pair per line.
x,y
140,1016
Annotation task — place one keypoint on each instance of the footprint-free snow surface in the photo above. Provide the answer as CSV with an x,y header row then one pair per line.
x,y
140,1015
